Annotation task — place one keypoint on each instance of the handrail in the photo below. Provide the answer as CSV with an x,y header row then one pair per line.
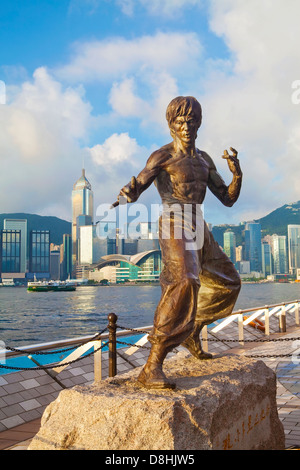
x,y
104,336
66,342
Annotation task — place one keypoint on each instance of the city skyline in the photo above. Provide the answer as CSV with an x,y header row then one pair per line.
x,y
89,80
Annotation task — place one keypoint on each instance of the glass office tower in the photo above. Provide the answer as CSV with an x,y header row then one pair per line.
x,y
40,251
67,257
279,254
294,247
253,238
230,245
21,225
82,205
10,251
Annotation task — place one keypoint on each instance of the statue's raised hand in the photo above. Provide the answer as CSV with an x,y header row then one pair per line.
x,y
233,161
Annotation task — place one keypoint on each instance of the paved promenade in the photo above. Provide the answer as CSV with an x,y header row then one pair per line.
x,y
278,353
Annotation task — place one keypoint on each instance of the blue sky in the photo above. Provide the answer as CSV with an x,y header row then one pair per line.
x,y
89,81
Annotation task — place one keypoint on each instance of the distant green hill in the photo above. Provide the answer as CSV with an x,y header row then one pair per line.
x,y
278,220
275,222
56,226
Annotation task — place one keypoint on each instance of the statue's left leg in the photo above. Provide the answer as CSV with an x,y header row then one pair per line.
x,y
193,344
219,288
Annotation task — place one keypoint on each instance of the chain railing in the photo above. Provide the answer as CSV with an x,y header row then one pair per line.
x,y
109,336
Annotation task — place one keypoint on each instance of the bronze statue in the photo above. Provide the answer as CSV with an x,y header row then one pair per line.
x,y
199,285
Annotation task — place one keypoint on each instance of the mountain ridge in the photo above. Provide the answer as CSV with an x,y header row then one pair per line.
x,y
275,222
58,227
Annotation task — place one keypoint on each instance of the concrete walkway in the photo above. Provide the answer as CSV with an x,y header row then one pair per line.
x,y
281,360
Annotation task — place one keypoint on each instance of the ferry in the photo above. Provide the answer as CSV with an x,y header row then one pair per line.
x,y
44,286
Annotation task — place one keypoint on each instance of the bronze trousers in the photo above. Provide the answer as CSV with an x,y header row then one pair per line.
x,y
198,286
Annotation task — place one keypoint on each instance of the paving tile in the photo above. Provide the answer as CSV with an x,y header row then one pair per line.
x,y
12,410
12,422
13,388
11,399
3,381
30,404
30,383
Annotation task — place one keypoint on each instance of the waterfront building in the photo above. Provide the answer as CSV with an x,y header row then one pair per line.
x,y
107,241
294,248
19,224
66,263
10,252
39,253
82,205
266,259
230,245
55,265
244,267
279,251
239,253
253,246
124,268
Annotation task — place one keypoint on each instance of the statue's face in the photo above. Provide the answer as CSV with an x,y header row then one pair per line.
x,y
185,128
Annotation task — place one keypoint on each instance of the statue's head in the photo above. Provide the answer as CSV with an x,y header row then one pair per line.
x,y
184,106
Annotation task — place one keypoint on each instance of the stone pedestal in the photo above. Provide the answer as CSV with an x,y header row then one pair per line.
x,y
225,403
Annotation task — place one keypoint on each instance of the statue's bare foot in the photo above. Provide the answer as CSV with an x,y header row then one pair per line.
x,y
153,377
194,346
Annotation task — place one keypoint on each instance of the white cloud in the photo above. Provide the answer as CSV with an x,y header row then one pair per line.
x,y
41,128
168,8
247,101
117,57
126,102
118,148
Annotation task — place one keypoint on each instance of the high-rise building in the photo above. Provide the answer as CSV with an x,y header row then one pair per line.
x,y
266,259
230,245
253,242
39,253
82,205
10,251
279,251
19,224
294,247
55,265
66,268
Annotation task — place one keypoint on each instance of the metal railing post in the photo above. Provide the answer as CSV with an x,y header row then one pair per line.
x,y
282,320
112,347
241,329
204,335
97,361
267,321
297,314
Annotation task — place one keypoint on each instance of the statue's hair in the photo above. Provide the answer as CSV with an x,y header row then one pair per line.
x,y
184,106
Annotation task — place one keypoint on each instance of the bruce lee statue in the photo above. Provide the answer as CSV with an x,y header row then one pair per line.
x,y
199,282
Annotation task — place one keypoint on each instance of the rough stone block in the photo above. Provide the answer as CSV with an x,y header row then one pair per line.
x,y
225,403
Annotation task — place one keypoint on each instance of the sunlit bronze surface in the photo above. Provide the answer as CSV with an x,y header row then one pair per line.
x,y
198,285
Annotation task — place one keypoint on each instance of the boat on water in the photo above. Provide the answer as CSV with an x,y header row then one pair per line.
x,y
44,286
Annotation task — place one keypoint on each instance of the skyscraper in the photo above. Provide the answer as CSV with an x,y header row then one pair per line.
x,y
82,205
253,238
294,247
67,257
19,224
279,254
230,245
10,251
266,259
39,250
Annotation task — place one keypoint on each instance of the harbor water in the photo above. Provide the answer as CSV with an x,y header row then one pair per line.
x,y
37,317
